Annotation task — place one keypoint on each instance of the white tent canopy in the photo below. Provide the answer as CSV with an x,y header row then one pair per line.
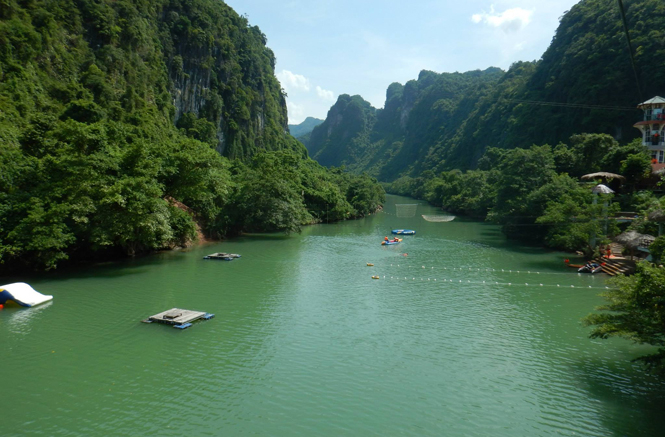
x,y
22,294
602,189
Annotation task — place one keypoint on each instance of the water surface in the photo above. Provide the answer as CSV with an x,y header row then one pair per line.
x,y
304,342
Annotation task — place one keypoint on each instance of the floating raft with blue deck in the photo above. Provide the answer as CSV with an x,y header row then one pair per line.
x,y
179,318
404,232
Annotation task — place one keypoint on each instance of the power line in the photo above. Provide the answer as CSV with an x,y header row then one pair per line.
x,y
572,105
630,48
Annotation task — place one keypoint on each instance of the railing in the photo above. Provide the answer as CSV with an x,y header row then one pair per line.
x,y
654,117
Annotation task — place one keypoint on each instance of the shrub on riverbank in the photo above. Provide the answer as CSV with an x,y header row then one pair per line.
x,y
635,311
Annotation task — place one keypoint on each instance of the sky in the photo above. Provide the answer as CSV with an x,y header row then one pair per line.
x,y
326,48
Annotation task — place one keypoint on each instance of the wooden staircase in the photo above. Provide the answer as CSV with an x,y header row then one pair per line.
x,y
615,266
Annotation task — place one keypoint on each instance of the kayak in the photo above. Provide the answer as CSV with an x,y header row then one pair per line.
x,y
389,242
590,268
404,232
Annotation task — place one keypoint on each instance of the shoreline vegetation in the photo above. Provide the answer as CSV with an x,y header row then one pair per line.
x,y
128,127
537,194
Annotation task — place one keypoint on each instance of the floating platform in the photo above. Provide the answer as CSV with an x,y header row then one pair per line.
x,y
404,232
179,318
222,256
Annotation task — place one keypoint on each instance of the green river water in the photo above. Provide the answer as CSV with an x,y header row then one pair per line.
x,y
304,342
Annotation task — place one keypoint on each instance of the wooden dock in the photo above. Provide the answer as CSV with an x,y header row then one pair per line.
x,y
615,266
178,317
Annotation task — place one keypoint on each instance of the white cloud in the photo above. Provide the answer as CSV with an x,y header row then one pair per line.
x,y
510,20
325,94
291,81
296,112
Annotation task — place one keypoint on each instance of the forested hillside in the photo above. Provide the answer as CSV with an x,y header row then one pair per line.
x,y
299,130
387,141
447,121
124,125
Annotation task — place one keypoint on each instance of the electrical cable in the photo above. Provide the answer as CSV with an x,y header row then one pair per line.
x,y
630,48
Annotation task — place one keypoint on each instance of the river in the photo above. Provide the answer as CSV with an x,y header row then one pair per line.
x,y
457,338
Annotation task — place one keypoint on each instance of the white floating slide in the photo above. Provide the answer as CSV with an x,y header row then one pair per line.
x,y
22,294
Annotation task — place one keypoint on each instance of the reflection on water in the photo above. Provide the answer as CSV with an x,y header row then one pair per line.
x,y
20,317
462,341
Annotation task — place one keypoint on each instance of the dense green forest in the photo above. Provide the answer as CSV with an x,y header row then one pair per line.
x,y
447,121
129,126
536,193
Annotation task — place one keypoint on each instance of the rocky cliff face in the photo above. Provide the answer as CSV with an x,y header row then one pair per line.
x,y
336,141
416,116
220,70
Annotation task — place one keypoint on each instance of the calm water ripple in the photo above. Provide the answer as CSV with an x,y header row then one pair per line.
x,y
304,342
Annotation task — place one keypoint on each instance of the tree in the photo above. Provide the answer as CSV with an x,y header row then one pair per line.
x,y
657,248
635,311
576,222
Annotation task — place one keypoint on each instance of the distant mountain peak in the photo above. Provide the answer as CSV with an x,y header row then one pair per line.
x,y
298,130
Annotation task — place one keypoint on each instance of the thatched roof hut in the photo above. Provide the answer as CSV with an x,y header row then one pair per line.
x,y
657,215
603,175
633,239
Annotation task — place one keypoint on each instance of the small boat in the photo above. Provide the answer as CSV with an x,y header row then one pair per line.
x,y
222,256
389,242
404,232
590,268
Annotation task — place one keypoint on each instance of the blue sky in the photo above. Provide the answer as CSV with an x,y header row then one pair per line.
x,y
327,48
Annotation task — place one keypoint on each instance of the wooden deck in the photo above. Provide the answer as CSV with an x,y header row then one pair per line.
x,y
617,263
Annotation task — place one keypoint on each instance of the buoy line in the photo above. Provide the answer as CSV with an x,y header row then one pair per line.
x,y
477,269
487,283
